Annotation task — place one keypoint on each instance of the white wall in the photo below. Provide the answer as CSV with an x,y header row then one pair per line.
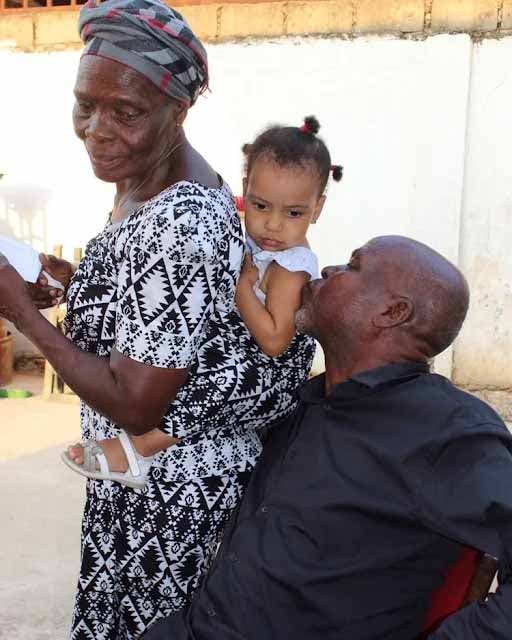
x,y
393,112
484,350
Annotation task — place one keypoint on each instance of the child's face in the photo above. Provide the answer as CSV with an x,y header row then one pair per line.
x,y
280,204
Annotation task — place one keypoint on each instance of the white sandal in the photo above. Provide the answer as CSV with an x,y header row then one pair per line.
x,y
138,466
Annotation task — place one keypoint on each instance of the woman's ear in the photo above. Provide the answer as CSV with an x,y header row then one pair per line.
x,y
182,116
179,113
318,209
393,313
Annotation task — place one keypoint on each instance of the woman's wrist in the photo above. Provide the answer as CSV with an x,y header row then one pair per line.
x,y
25,317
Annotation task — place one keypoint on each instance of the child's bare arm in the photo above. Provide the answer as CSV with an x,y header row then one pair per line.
x,y
273,325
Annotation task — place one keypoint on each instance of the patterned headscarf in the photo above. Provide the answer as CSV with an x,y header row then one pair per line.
x,y
151,38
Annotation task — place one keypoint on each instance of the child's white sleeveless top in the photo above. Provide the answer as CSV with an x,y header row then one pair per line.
x,y
293,259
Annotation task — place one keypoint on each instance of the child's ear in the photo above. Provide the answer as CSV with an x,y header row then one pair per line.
x,y
318,209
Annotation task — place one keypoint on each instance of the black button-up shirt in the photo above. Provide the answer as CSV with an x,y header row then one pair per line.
x,y
355,512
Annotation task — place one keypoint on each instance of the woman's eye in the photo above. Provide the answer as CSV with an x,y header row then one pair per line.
x,y
128,116
84,108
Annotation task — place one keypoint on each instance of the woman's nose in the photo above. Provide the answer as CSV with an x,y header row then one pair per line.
x,y
97,126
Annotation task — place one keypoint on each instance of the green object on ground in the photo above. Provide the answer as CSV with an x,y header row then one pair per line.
x,y
14,393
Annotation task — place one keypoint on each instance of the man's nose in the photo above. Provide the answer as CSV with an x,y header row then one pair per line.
x,y
327,272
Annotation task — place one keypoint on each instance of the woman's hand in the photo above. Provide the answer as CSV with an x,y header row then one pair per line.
x,y
61,270
14,294
42,294
249,271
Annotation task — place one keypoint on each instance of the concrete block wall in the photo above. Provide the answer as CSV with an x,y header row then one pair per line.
x,y
46,29
506,15
465,15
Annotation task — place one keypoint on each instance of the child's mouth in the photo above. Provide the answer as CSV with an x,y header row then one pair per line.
x,y
269,243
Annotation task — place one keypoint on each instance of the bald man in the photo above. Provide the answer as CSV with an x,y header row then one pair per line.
x,y
364,497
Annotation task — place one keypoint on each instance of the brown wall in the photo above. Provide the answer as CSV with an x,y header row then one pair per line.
x,y
43,29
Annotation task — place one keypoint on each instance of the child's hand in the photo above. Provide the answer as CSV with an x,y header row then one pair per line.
x,y
249,272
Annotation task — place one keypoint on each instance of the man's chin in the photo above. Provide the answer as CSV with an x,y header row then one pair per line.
x,y
302,323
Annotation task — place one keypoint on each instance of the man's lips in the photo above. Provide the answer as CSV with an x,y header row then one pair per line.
x,y
306,292
307,289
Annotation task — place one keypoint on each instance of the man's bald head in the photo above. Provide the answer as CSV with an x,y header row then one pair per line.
x,y
395,295
437,290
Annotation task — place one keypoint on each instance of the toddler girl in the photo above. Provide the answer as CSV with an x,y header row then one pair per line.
x,y
286,173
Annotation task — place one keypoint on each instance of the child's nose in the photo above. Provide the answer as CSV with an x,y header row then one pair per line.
x,y
273,222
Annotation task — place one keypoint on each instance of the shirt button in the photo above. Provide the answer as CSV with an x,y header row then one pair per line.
x,y
264,509
211,611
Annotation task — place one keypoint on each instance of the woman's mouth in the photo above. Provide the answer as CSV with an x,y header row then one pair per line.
x,y
104,162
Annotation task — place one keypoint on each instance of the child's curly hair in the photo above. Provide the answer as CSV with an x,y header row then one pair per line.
x,y
291,146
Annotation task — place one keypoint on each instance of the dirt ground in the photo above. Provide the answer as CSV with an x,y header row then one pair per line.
x,y
40,510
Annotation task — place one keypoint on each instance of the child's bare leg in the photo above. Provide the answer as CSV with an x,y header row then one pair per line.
x,y
152,442
146,445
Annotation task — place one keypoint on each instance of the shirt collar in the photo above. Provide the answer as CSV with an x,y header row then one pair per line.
x,y
362,383
252,246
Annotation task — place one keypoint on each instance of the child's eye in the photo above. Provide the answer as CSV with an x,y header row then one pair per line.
x,y
259,206
295,214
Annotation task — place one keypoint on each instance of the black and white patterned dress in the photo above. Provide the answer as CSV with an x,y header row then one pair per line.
x,y
159,287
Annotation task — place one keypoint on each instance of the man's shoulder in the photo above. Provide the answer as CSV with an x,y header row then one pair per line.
x,y
463,409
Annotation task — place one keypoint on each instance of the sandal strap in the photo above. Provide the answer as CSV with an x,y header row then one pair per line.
x,y
93,453
129,450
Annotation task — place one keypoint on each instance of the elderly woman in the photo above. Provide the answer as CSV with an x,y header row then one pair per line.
x,y
153,336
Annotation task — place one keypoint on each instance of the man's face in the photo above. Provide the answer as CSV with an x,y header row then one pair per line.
x,y
340,301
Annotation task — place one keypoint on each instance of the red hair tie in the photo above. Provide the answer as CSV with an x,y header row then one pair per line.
x,y
311,126
337,172
239,202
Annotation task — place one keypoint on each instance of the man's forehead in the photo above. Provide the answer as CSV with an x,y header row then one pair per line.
x,y
374,254
362,250
378,246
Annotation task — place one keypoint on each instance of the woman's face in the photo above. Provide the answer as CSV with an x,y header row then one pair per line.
x,y
126,123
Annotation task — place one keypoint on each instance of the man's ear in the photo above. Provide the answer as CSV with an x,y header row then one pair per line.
x,y
393,313
318,209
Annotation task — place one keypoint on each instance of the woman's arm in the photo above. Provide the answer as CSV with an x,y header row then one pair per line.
x,y
131,394
272,325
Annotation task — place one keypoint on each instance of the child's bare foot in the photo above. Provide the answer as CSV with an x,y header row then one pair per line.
x,y
147,445
113,450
